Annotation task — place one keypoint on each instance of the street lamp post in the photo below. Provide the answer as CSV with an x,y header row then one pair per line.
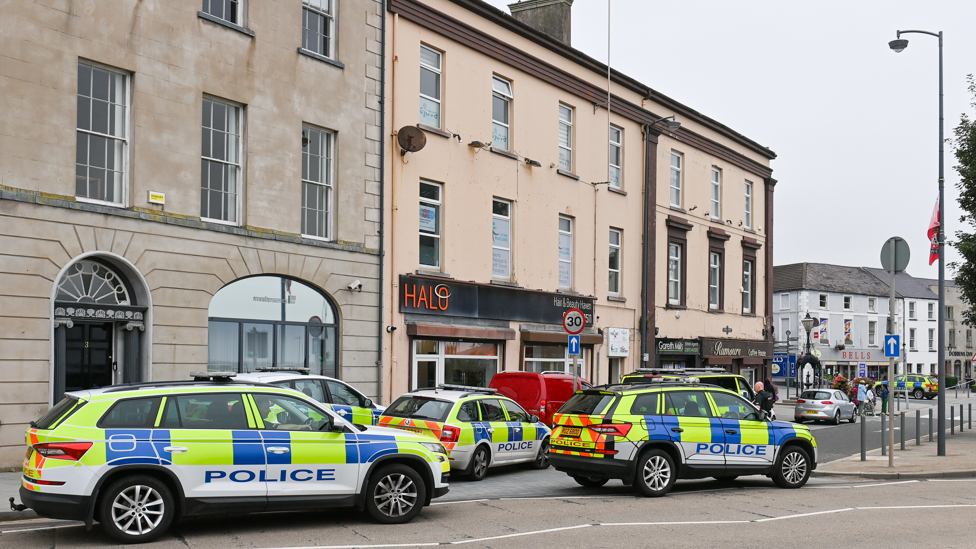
x,y
899,45
808,357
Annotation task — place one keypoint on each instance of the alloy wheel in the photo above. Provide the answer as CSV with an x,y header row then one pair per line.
x,y
395,495
657,473
480,463
137,510
794,467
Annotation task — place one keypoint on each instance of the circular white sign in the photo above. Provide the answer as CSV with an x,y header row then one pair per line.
x,y
574,321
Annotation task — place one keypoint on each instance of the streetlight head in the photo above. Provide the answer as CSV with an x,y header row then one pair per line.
x,y
673,125
898,45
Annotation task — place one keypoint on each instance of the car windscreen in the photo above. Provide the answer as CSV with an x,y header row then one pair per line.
x,y
586,404
61,408
416,407
816,395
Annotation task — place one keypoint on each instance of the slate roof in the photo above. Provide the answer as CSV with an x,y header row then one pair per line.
x,y
827,278
950,283
906,285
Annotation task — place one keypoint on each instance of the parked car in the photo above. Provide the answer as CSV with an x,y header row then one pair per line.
x,y
824,405
348,402
712,376
540,394
919,386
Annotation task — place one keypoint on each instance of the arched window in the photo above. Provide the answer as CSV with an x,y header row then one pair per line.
x,y
91,282
272,322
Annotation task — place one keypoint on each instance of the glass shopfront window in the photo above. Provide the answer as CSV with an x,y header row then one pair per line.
x,y
471,363
552,358
272,322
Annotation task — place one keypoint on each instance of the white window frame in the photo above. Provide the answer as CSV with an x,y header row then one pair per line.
x,y
912,340
439,234
566,125
569,262
748,268
240,11
931,339
674,268
439,72
748,205
238,214
784,298
330,19
616,175
496,248
619,233
932,311
716,194
714,280
329,183
912,315
949,313
848,303
952,338
872,333
824,301
505,92
123,191
677,183
872,304
440,358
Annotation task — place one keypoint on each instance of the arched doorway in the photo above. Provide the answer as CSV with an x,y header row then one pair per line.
x,y
272,322
99,325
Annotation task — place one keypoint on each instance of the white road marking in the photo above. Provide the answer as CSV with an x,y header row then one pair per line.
x,y
532,533
804,515
863,485
952,480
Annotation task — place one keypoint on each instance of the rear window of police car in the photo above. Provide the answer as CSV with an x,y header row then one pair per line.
x,y
586,404
415,407
55,413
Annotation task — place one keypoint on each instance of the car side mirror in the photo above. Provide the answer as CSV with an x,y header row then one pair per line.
x,y
369,403
533,419
763,415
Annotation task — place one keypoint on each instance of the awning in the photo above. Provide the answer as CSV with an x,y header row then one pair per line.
x,y
459,332
557,337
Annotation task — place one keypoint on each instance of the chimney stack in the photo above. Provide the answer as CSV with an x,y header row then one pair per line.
x,y
551,17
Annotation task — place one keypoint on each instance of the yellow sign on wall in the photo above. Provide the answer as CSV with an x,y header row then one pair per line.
x,y
157,198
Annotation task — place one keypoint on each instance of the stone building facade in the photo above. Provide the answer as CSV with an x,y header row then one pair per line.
x,y
184,187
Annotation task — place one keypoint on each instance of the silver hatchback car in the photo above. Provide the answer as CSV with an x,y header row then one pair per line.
x,y
824,405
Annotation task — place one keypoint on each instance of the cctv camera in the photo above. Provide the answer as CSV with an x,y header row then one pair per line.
x,y
356,286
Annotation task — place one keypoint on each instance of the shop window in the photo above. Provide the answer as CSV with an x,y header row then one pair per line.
x,y
553,358
271,322
471,363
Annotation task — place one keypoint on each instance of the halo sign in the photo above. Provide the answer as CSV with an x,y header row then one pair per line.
x,y
574,321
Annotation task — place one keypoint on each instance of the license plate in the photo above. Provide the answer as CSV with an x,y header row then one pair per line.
x,y
814,413
30,452
411,429
571,431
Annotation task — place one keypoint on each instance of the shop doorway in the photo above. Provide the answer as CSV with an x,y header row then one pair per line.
x,y
454,362
88,356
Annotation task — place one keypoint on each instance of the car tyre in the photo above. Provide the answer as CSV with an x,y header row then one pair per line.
x,y
656,474
836,420
590,482
395,494
853,416
798,420
479,463
792,469
136,509
542,460
917,394
930,397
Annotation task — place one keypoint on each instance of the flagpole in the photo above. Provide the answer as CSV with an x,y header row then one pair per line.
x,y
942,367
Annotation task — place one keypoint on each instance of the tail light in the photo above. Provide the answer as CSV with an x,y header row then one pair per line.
x,y
450,433
618,429
542,406
827,402
801,401
71,451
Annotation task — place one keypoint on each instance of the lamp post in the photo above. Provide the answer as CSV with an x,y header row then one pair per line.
x,y
899,45
808,357
789,352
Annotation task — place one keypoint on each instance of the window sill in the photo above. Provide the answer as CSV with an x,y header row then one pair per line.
x,y
753,315
570,175
677,209
313,237
505,283
433,130
321,58
99,202
673,306
617,299
220,222
438,274
504,153
616,190
748,230
716,311
223,23
569,292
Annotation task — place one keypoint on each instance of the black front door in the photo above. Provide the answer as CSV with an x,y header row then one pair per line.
x,y
88,356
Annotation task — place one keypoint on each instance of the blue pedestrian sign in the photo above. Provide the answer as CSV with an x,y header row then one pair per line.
x,y
574,345
892,346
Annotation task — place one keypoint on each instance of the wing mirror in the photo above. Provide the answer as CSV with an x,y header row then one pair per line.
x,y
533,419
763,415
369,403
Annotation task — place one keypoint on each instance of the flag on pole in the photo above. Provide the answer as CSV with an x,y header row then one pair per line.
x,y
934,234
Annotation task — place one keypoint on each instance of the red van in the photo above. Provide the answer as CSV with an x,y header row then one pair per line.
x,y
540,394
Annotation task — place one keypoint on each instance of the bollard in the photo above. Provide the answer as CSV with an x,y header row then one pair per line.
x,y
970,416
884,438
864,440
930,424
918,427
903,430
952,420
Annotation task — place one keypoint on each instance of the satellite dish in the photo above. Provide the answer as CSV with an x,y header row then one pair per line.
x,y
411,139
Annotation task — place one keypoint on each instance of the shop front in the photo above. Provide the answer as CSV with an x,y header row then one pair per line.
x,y
464,333
751,359
678,353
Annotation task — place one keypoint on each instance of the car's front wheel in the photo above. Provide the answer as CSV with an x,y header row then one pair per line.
x,y
793,468
655,473
395,494
853,416
136,509
542,459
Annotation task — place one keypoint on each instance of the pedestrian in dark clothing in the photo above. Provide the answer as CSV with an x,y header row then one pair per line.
x,y
883,393
763,398
771,389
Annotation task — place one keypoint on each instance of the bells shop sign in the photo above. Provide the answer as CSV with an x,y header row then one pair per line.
x,y
434,296
736,349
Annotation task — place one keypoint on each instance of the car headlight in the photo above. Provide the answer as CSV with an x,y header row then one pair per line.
x,y
435,447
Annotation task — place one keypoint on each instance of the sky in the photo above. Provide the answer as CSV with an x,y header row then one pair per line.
x,y
854,125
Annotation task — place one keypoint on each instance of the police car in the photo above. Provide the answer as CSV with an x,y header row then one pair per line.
x,y
136,458
349,403
712,376
480,428
651,435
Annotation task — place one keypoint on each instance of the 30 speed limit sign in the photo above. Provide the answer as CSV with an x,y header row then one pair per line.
x,y
574,321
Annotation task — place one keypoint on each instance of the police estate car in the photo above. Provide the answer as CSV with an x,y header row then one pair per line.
x,y
651,435
137,457
349,403
479,427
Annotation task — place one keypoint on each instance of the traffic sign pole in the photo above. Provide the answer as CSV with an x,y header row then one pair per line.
x,y
573,322
891,361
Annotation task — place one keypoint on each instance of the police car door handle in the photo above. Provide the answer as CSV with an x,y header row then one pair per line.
x,y
731,431
677,429
277,449
176,449
491,430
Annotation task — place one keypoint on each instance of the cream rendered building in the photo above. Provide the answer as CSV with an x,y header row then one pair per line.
x,y
530,197
185,184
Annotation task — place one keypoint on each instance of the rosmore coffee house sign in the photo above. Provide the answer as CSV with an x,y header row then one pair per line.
x,y
731,348
449,298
